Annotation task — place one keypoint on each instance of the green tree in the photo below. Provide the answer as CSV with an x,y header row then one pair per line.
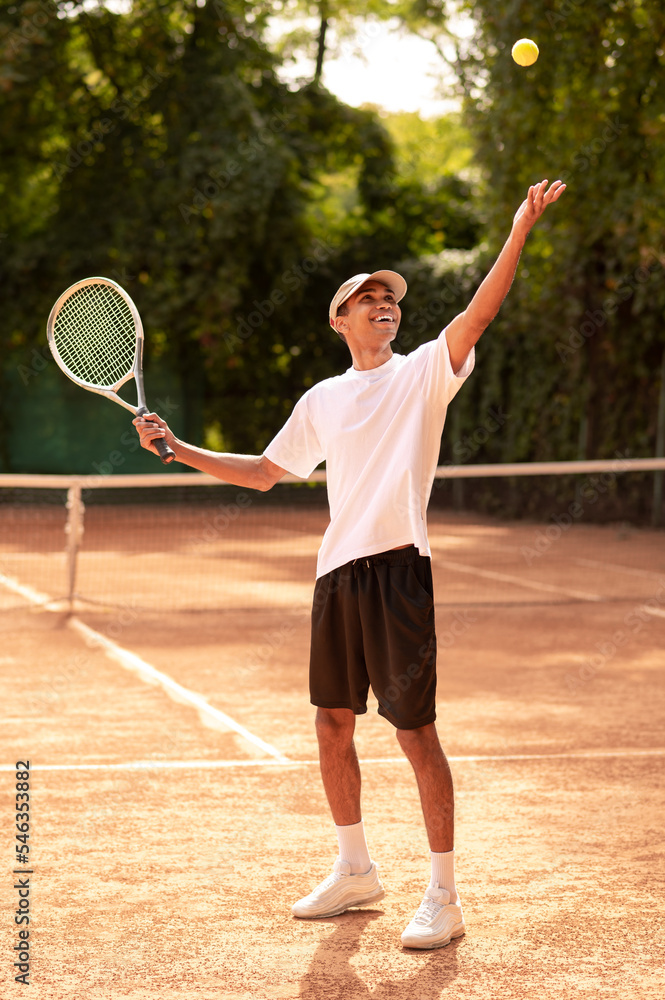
x,y
165,152
313,19
586,318
575,352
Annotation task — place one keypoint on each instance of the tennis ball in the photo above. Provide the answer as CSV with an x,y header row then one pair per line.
x,y
525,52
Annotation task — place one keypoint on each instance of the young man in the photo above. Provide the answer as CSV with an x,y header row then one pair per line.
x,y
378,427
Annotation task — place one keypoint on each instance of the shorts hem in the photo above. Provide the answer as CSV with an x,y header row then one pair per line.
x,y
338,704
412,725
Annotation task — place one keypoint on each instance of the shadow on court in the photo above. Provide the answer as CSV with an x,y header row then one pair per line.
x,y
331,973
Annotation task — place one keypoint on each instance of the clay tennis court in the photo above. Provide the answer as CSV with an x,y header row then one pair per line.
x,y
177,807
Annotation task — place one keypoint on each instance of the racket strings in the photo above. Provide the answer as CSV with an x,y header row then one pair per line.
x,y
95,335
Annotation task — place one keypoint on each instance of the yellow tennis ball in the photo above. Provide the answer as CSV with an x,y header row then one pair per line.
x,y
525,52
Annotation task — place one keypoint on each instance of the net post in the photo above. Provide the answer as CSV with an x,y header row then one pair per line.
x,y
74,532
657,510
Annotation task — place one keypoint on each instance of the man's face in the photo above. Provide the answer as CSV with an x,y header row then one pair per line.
x,y
373,313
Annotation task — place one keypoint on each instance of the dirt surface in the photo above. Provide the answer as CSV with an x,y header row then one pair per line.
x,y
168,847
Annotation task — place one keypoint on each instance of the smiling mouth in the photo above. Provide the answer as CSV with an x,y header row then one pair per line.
x,y
385,318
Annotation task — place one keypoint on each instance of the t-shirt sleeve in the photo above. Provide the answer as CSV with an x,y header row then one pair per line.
x,y
296,447
439,382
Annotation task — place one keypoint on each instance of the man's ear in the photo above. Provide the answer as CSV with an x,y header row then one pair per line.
x,y
340,327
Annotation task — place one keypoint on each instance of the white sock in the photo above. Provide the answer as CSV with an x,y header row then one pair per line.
x,y
353,847
443,873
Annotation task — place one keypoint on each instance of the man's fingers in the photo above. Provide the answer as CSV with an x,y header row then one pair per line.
x,y
561,187
150,428
535,197
556,190
148,418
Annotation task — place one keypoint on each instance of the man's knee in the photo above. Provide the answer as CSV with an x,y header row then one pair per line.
x,y
335,725
418,741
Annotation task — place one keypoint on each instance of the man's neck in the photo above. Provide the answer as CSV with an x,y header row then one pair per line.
x,y
364,361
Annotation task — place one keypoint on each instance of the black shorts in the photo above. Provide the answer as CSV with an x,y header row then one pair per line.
x,y
373,623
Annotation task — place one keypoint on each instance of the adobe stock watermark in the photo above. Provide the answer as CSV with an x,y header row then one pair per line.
x,y
595,319
145,776
466,447
122,107
451,291
563,11
218,179
131,442
291,280
461,623
469,444
583,157
274,639
634,622
221,518
37,16
591,490
80,665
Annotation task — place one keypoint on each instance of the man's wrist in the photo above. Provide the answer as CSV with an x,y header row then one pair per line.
x,y
181,448
519,233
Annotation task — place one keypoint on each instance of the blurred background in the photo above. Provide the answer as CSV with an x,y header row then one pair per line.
x,y
231,163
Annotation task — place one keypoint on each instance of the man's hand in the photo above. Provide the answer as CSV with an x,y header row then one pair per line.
x,y
466,328
535,204
254,471
150,427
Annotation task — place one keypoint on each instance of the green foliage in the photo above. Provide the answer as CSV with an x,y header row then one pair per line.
x,y
164,152
308,20
427,149
579,340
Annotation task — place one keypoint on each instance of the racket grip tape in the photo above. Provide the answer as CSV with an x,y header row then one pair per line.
x,y
165,453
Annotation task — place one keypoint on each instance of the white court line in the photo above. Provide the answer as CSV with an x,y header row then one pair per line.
x,y
652,611
659,612
145,670
32,595
211,765
594,563
488,574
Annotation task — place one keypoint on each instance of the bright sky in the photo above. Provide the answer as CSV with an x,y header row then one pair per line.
x,y
384,66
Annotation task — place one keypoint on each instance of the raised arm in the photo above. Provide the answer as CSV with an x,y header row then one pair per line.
x,y
465,329
253,471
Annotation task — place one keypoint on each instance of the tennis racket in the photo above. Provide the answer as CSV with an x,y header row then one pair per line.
x,y
96,337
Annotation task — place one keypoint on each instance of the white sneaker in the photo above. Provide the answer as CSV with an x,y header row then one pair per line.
x,y
436,922
340,891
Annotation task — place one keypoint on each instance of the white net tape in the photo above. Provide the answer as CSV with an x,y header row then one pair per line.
x,y
95,335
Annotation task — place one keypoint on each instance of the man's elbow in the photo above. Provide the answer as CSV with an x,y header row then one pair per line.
x,y
264,480
267,474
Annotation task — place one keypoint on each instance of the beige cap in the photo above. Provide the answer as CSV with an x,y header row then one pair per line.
x,y
392,279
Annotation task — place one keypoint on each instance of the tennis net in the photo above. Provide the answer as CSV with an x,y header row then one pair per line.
x,y
187,542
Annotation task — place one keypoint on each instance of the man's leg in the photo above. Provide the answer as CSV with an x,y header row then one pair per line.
x,y
435,784
439,918
339,763
354,881
341,779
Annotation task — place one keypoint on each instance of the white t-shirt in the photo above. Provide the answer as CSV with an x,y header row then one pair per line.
x,y
379,432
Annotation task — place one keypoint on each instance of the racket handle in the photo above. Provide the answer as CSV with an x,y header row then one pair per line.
x,y
165,453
